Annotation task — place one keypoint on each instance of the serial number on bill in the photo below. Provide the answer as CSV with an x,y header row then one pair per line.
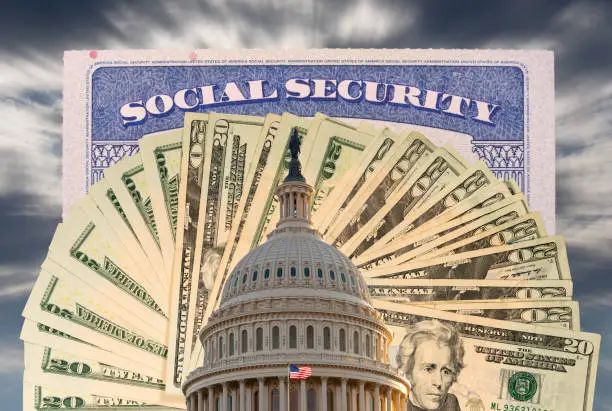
x,y
509,407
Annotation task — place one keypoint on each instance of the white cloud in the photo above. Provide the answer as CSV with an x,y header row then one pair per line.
x,y
563,33
597,301
16,280
29,133
226,27
578,17
8,270
29,129
269,24
583,163
30,72
366,20
542,42
16,290
582,108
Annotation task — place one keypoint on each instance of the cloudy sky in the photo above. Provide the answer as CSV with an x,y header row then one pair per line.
x,y
34,35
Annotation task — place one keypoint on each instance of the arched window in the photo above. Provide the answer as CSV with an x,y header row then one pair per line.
x,y
342,277
244,278
353,281
293,337
244,341
332,275
236,281
326,338
306,272
356,342
320,273
309,337
220,346
231,344
293,272
342,339
367,347
254,275
259,339
275,338
279,272
266,274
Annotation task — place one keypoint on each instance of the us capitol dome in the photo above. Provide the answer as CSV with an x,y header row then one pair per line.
x,y
295,300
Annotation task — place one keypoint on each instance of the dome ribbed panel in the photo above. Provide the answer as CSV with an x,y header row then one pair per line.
x,y
299,250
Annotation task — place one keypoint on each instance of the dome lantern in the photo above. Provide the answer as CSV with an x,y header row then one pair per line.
x,y
294,193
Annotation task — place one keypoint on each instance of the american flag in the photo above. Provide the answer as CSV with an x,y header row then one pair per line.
x,y
299,373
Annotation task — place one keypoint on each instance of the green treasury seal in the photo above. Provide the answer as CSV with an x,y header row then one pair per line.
x,y
522,386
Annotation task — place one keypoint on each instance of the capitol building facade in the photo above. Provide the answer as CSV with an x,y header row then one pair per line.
x,y
295,300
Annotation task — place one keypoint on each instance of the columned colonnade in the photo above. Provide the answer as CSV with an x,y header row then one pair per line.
x,y
295,205
343,394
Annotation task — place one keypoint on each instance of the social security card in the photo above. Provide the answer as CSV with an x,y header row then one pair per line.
x,y
492,105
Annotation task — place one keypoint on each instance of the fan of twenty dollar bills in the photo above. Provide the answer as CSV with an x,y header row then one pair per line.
x,y
137,266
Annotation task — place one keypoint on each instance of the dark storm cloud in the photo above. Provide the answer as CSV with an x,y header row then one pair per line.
x,y
26,237
477,24
50,25
577,31
466,24
472,23
597,109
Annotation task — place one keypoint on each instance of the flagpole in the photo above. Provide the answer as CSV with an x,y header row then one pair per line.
x,y
288,386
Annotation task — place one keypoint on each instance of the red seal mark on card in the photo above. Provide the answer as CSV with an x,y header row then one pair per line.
x,y
193,56
93,54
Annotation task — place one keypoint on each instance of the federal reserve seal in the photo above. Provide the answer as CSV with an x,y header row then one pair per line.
x,y
522,386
